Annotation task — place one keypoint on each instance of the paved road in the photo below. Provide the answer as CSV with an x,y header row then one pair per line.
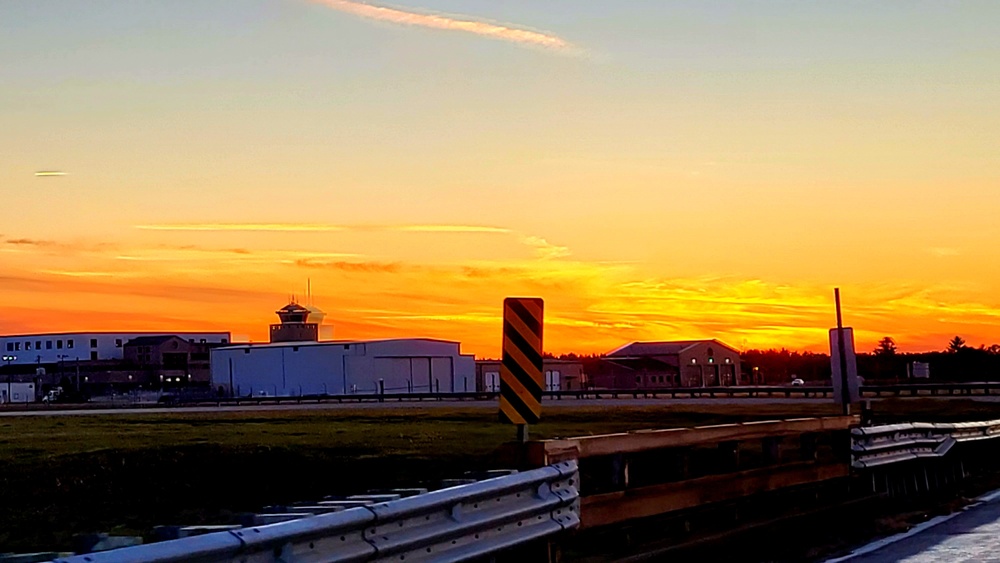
x,y
972,535
396,405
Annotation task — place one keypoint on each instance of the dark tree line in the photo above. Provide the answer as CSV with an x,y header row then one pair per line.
x,y
778,367
885,364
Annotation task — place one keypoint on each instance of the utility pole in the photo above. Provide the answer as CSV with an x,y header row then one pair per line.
x,y
845,392
9,359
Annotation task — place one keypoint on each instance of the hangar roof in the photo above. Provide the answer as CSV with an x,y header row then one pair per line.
x,y
662,348
334,343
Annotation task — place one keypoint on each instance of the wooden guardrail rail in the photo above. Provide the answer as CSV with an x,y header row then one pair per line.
x,y
646,473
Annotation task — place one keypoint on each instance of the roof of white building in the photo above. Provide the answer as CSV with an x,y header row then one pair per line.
x,y
117,332
332,343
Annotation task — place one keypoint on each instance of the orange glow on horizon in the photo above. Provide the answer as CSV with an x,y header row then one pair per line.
x,y
591,307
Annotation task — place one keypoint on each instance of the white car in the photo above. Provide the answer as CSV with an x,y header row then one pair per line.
x,y
798,382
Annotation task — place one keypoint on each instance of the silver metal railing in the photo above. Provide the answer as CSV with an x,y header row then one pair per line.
x,y
882,445
456,524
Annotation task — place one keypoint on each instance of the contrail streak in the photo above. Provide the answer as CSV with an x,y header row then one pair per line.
x,y
492,30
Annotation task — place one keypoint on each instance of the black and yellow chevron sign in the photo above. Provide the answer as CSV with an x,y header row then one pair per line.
x,y
521,379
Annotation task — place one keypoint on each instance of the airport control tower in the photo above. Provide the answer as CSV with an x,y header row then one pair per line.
x,y
295,325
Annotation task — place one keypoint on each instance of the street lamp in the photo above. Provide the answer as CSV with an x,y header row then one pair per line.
x,y
8,358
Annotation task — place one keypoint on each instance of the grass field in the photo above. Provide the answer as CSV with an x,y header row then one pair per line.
x,y
60,476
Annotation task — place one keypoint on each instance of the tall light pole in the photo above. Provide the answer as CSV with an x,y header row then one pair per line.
x,y
62,363
9,359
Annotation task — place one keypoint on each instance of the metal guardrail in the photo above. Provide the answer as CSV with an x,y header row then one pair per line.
x,y
737,392
741,391
931,389
580,394
883,445
456,524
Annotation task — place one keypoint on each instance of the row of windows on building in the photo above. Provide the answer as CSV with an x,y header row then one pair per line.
x,y
652,379
16,346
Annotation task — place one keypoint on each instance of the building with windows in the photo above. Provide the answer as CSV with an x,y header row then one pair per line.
x,y
87,346
20,392
560,375
682,363
169,359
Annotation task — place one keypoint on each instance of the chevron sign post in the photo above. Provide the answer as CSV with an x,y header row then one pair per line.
x,y
521,379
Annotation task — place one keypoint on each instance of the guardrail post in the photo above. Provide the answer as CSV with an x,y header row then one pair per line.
x,y
808,447
867,415
684,464
772,450
619,472
729,455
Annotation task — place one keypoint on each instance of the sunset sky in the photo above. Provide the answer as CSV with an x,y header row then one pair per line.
x,y
653,170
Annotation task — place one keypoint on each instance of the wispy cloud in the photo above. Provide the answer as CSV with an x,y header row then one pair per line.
x,y
196,254
287,227
30,242
365,267
504,32
320,227
944,251
544,249
82,274
449,229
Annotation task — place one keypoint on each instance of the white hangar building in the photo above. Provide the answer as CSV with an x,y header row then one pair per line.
x,y
345,367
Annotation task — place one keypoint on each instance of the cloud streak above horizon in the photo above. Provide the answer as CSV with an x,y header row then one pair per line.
x,y
499,31
320,227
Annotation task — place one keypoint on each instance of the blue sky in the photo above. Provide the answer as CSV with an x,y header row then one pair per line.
x,y
776,142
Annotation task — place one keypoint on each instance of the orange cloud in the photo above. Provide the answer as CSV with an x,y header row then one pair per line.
x,y
366,267
30,242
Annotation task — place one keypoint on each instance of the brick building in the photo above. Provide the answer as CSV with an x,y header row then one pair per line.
x,y
169,359
683,363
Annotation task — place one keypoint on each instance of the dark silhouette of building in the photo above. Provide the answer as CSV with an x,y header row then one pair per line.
x,y
683,363
168,360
